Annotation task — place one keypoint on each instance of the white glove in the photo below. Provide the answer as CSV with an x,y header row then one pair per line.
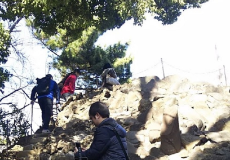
x,y
58,106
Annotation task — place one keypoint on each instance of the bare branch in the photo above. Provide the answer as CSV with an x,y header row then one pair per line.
x,y
44,44
19,76
19,54
15,23
25,94
13,92
49,48
15,112
6,103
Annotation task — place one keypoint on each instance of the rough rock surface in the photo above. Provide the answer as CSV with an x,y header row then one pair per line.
x,y
166,119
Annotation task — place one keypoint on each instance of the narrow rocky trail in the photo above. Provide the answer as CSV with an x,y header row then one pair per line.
x,y
168,119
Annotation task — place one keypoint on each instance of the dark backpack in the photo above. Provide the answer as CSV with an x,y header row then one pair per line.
x,y
112,73
43,86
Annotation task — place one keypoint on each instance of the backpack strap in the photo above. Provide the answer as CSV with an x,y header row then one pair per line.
x,y
112,73
122,146
113,128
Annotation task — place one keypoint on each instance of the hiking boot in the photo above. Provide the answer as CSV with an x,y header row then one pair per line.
x,y
45,131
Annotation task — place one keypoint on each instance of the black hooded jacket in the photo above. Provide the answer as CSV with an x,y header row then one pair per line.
x,y
105,145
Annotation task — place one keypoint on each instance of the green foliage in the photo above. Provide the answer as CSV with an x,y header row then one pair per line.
x,y
13,124
168,12
75,16
4,53
83,54
122,68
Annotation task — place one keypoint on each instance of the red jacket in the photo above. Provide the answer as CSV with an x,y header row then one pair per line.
x,y
69,85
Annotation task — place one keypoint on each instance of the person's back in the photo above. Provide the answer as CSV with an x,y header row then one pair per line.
x,y
45,90
69,84
109,77
114,150
61,83
52,89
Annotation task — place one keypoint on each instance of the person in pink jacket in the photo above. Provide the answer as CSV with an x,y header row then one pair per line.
x,y
69,84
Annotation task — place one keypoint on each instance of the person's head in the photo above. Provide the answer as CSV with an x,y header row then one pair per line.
x,y
77,72
98,112
107,65
49,76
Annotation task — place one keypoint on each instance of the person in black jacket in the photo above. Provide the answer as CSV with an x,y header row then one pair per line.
x,y
46,102
105,145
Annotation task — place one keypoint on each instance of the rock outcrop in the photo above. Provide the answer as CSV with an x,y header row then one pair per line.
x,y
166,119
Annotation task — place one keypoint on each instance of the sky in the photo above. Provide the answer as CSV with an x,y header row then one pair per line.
x,y
189,47
186,47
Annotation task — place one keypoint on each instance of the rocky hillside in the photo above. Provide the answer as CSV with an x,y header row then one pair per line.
x,y
166,119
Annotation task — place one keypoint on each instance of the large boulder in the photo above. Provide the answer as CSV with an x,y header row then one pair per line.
x,y
170,132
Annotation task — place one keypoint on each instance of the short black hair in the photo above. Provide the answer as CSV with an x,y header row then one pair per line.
x,y
107,65
101,108
49,76
77,70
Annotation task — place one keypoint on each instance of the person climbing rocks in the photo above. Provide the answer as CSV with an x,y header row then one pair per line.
x,y
69,84
109,140
45,89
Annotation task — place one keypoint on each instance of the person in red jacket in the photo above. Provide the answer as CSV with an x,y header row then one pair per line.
x,y
69,85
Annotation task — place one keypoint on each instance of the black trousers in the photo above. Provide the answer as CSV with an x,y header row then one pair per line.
x,y
66,95
108,86
46,105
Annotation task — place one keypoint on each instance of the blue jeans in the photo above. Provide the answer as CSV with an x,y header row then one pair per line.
x,y
46,105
